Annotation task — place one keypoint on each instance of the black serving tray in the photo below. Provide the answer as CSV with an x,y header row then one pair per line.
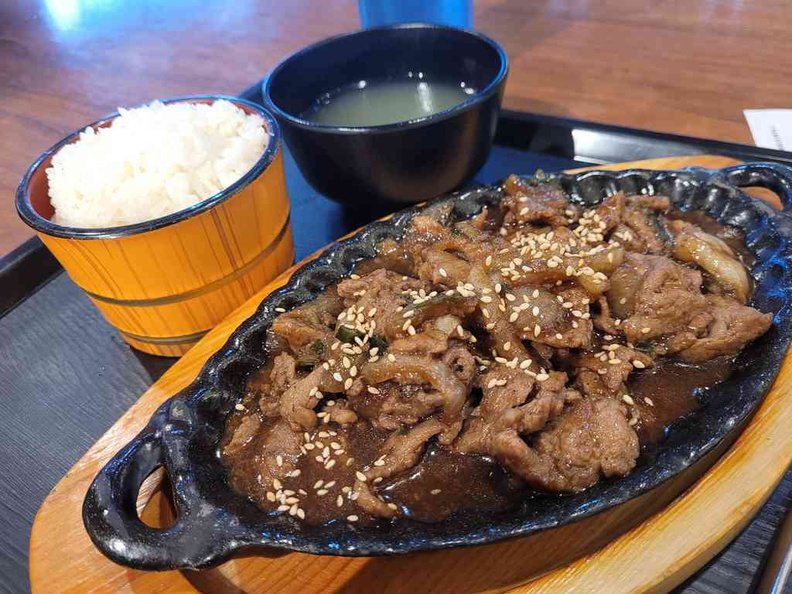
x,y
66,376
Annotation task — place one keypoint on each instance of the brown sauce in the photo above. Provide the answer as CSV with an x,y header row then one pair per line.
x,y
671,387
446,482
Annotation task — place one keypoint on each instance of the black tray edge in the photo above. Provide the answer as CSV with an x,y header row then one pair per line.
x,y
23,271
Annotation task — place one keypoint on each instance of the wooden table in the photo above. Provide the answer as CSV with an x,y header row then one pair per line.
x,y
683,66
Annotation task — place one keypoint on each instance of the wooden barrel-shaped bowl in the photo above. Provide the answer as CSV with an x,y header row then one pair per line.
x,y
165,283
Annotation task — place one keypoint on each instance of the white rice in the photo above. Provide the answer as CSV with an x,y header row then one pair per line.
x,y
153,161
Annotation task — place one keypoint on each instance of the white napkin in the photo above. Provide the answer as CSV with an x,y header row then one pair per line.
x,y
771,128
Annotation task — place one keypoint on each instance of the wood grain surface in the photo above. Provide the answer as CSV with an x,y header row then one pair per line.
x,y
655,556
682,66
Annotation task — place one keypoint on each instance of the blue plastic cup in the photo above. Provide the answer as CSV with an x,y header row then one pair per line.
x,y
377,13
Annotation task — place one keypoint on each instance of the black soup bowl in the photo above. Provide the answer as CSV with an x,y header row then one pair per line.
x,y
403,162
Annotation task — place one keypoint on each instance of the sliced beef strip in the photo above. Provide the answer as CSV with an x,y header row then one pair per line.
x,y
656,202
504,407
440,267
733,326
561,315
654,296
591,438
630,221
611,367
395,405
340,413
370,503
243,434
382,292
267,385
462,364
428,342
297,403
278,440
400,452
526,203
645,236
604,320
413,369
429,309
313,322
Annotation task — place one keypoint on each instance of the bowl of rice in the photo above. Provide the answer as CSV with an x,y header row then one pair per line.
x,y
169,215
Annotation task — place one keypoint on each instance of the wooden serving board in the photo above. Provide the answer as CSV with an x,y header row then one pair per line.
x,y
655,556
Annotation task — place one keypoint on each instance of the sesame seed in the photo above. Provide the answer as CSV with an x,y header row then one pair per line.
x,y
283,508
337,377
280,310
506,346
648,401
352,518
270,496
321,492
373,390
277,484
391,358
628,399
638,364
340,501
348,383
537,330
614,361
488,261
646,330
318,484
443,272
330,464
360,476
540,377
300,513
623,300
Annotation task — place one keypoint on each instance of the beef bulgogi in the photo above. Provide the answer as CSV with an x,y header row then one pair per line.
x,y
535,347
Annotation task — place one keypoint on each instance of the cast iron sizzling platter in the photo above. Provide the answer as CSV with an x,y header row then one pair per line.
x,y
213,522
